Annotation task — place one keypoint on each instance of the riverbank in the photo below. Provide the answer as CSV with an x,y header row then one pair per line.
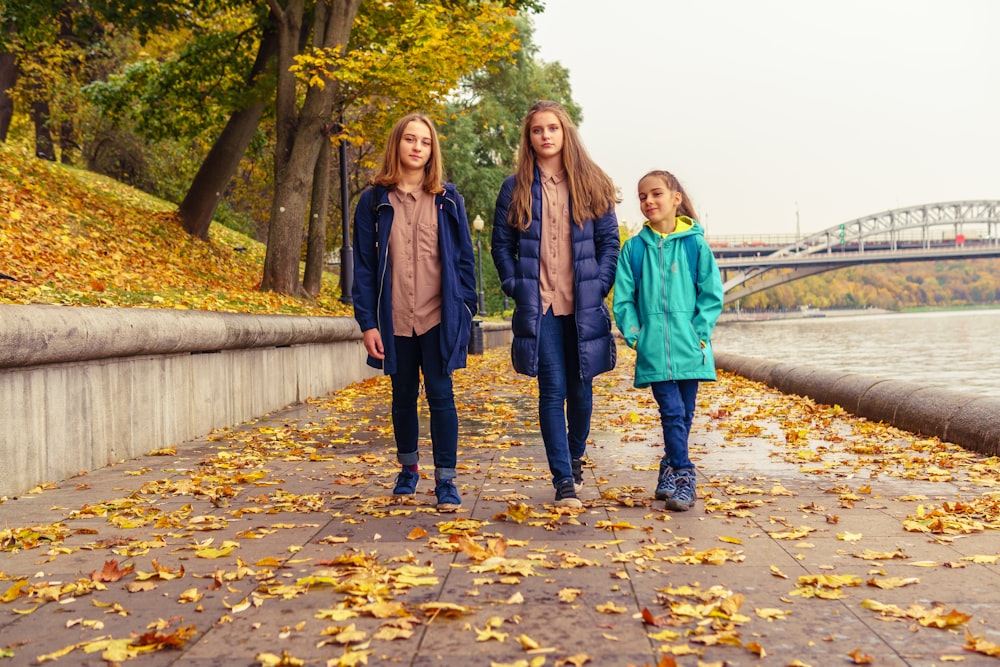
x,y
796,314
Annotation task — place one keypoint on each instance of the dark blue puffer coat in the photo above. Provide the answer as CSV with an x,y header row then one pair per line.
x,y
595,256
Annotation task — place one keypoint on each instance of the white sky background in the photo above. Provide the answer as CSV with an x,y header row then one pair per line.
x,y
835,108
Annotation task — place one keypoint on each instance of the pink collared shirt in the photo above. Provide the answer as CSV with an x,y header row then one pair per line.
x,y
416,263
556,254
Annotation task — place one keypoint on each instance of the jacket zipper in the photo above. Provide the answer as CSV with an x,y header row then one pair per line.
x,y
385,266
663,295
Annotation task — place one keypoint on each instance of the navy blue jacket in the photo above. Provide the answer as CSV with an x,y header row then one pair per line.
x,y
372,288
595,256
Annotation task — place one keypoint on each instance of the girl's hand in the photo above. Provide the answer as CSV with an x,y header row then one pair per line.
x,y
373,343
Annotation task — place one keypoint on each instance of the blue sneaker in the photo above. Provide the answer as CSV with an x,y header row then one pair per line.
x,y
577,465
566,494
448,499
406,483
666,483
686,494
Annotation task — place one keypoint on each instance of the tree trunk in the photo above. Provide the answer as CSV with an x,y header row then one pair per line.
x,y
66,142
202,199
44,146
8,77
320,206
299,135
223,159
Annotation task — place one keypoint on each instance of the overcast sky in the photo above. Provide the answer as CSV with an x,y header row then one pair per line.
x,y
836,108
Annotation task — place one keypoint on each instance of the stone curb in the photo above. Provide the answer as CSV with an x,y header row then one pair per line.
x,y
40,334
966,419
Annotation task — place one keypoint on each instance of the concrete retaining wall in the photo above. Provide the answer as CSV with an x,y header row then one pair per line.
x,y
81,388
84,387
969,420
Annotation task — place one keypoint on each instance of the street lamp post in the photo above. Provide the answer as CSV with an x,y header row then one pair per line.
x,y
477,224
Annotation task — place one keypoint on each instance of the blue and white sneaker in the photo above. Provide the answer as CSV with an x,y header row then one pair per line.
x,y
406,483
448,499
686,494
666,483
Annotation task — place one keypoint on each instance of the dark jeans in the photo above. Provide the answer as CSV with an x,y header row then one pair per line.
x,y
413,354
676,401
565,400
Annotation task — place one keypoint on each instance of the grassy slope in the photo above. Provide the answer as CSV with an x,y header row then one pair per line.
x,y
75,238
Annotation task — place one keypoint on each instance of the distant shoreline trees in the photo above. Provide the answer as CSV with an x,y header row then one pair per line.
x,y
889,286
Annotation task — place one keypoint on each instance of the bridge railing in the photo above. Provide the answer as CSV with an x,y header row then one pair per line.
x,y
978,234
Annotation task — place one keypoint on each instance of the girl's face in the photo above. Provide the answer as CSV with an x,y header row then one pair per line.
x,y
546,134
657,201
415,146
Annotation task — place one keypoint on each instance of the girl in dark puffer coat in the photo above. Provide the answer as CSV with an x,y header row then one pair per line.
x,y
555,246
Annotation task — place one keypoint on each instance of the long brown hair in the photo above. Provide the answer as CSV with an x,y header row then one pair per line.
x,y
686,207
591,191
389,173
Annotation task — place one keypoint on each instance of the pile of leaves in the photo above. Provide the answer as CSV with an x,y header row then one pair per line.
x,y
72,237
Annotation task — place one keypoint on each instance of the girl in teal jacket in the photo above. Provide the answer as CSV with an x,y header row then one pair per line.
x,y
668,296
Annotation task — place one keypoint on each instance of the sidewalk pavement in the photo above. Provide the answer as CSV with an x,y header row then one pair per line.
x,y
818,539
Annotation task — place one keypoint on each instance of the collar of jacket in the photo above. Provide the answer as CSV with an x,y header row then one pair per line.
x,y
654,237
449,195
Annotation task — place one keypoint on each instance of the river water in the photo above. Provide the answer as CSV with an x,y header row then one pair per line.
x,y
956,350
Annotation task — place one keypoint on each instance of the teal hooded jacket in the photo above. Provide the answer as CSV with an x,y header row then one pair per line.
x,y
670,319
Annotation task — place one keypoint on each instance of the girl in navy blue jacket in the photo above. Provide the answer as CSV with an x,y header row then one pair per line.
x,y
555,246
414,295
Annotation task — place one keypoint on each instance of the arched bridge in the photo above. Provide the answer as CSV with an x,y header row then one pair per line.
x,y
949,230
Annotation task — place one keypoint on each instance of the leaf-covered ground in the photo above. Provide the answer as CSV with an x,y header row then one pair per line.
x,y
818,539
69,236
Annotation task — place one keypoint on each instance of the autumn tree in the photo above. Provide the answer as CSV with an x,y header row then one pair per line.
x,y
51,49
205,83
217,67
402,56
46,51
299,128
208,187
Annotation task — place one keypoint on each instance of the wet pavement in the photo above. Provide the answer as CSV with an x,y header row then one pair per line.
x,y
818,539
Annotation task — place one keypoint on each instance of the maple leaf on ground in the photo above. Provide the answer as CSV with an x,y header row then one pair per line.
x,y
610,608
980,645
161,572
649,619
860,658
569,594
175,639
110,572
416,533
936,617
435,609
283,660
893,582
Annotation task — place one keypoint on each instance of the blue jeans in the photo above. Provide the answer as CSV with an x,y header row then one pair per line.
x,y
676,401
413,354
565,400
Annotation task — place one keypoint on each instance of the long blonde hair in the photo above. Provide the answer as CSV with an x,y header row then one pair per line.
x,y
591,191
389,172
